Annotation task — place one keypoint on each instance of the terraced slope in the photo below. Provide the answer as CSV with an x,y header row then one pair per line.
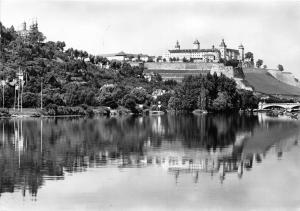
x,y
177,75
285,77
264,82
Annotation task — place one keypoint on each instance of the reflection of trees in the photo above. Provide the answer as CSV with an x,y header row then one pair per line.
x,y
206,131
71,145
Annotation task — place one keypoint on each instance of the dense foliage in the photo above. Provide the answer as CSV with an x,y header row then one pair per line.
x,y
212,93
67,77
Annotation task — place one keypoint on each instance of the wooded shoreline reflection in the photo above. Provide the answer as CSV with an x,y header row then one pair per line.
x,y
35,150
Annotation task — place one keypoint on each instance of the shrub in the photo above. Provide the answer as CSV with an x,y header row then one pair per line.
x,y
30,100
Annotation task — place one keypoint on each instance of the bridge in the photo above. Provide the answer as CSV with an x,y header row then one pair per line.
x,y
286,106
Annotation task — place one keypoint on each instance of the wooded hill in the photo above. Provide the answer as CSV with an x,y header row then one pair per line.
x,y
71,77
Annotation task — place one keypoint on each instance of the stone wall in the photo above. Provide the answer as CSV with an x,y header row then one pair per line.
x,y
178,66
178,70
221,69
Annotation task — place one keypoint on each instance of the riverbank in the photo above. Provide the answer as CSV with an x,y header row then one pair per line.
x,y
62,111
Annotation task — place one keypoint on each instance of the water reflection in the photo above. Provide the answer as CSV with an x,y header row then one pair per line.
x,y
33,151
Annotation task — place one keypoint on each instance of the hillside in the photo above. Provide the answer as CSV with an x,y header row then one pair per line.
x,y
285,77
263,82
66,77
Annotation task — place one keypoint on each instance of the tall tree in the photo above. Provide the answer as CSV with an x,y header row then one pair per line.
x,y
249,55
259,63
280,67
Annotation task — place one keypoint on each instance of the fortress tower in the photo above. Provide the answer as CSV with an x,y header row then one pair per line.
x,y
177,46
196,45
241,52
223,49
24,28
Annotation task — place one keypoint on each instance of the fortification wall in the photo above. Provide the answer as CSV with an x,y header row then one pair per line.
x,y
178,66
177,71
220,68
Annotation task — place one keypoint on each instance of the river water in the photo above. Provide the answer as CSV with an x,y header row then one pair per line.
x,y
183,162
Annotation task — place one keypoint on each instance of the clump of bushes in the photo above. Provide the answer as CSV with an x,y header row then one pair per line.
x,y
55,110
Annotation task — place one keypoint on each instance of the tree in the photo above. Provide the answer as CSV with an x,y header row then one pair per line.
x,y
265,66
249,56
171,83
164,99
129,102
116,65
60,45
247,100
231,62
184,59
222,102
139,94
92,58
150,59
35,36
259,63
174,103
201,103
280,67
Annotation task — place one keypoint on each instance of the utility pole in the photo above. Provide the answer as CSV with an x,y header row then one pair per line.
x,y
18,98
21,95
1,47
15,97
2,96
41,94
20,88
3,85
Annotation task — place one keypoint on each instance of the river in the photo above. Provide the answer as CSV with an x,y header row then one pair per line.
x,y
170,162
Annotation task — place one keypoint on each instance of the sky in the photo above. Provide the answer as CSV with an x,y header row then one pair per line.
x,y
271,30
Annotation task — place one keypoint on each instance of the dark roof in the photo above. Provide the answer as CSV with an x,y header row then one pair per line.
x,y
193,50
122,53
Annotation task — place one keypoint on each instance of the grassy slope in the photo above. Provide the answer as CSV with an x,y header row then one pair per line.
x,y
264,82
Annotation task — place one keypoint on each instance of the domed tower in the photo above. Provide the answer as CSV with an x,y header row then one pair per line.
x,y
223,49
196,45
241,52
34,25
177,46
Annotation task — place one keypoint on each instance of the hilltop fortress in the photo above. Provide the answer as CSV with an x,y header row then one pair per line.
x,y
196,54
178,63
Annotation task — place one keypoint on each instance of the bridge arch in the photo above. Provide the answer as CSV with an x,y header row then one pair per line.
x,y
274,106
266,106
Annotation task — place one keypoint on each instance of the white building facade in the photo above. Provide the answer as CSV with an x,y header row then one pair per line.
x,y
197,54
